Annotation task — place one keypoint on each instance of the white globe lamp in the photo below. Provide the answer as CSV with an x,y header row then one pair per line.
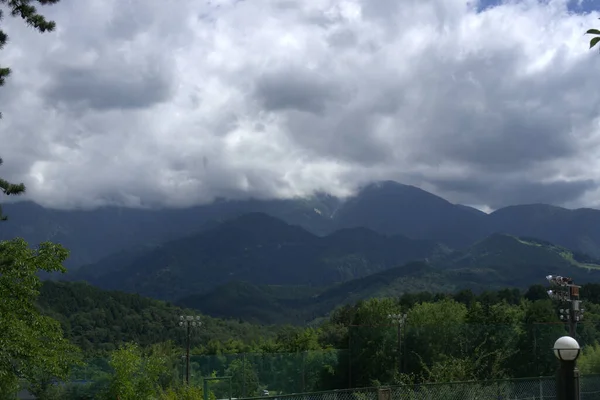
x,y
566,348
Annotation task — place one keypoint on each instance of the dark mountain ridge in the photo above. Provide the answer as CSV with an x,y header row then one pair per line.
x,y
386,207
496,262
393,208
259,249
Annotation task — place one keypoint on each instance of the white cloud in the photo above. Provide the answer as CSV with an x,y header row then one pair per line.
x,y
148,102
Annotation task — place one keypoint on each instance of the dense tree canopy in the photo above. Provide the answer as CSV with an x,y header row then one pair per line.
x,y
31,345
445,337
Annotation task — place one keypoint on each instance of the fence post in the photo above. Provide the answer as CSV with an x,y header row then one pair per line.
x,y
244,374
349,356
541,389
303,371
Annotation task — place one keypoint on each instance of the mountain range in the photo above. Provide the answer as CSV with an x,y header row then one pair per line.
x,y
494,263
387,207
256,248
295,260
261,269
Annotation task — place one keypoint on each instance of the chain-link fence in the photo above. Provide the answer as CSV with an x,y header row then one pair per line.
x,y
252,373
543,388
280,374
590,387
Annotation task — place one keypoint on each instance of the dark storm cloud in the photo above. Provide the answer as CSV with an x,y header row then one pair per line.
x,y
111,88
497,192
127,99
297,89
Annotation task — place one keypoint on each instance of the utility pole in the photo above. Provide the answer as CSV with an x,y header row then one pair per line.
x,y
567,293
189,322
399,320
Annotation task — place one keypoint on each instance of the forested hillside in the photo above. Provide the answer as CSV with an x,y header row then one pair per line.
x,y
504,333
260,269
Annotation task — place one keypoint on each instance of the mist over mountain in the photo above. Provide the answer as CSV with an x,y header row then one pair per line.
x,y
385,207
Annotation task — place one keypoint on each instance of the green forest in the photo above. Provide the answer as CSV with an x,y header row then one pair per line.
x,y
125,344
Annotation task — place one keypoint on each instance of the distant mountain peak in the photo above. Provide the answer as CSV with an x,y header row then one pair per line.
x,y
255,218
264,226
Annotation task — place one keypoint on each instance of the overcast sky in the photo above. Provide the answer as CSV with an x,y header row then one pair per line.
x,y
173,102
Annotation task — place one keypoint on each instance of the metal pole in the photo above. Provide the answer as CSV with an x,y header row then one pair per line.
x,y
350,357
303,371
567,381
244,375
572,324
187,372
575,314
399,320
399,347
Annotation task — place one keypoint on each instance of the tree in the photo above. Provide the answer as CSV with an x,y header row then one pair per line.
x,y
589,361
136,374
244,380
27,12
32,345
9,188
433,331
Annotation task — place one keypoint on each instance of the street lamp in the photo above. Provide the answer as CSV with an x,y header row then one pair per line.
x,y
189,322
567,293
399,319
566,349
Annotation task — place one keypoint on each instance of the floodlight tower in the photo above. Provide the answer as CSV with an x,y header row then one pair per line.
x,y
189,322
567,293
399,320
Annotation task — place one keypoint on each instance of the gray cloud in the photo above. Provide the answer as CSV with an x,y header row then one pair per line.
x,y
297,89
178,102
116,87
497,192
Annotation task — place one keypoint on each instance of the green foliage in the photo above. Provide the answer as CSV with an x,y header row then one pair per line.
x,y
100,321
31,345
589,360
184,392
136,374
244,378
596,39
8,188
446,337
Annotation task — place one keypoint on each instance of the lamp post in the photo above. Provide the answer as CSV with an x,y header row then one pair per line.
x,y
189,322
567,293
399,320
566,349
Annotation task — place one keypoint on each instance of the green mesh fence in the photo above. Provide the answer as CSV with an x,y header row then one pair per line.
x,y
376,354
517,350
514,389
278,373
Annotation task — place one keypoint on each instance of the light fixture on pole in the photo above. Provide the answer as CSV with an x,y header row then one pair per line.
x,y
567,350
399,319
189,322
567,293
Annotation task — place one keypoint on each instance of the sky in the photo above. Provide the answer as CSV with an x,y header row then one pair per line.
x,y
171,103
